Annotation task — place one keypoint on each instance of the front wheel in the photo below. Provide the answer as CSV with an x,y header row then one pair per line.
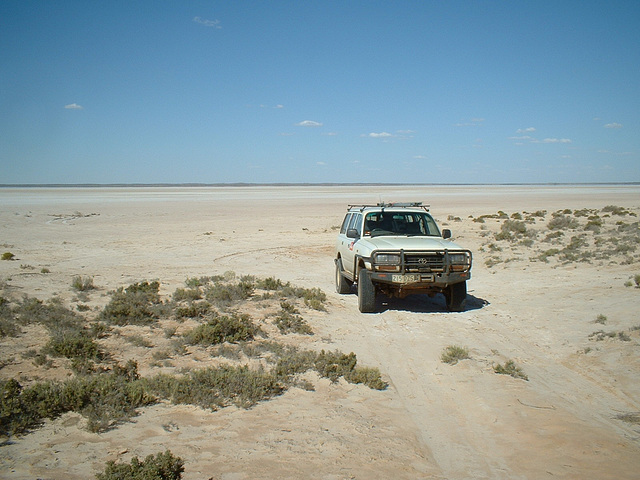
x,y
456,296
366,292
342,284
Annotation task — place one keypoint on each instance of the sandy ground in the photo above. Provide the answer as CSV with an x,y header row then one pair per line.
x,y
435,420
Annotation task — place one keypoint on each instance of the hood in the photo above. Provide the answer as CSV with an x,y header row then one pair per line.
x,y
392,242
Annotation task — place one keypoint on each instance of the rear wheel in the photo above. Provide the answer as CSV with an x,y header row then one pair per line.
x,y
366,292
342,284
456,296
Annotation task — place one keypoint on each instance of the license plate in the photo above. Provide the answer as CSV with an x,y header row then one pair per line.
x,y
409,278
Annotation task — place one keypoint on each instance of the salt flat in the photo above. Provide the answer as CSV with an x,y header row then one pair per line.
x,y
434,420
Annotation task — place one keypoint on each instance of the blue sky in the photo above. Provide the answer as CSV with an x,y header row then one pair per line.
x,y
476,91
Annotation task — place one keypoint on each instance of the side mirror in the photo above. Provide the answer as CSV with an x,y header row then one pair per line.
x,y
352,233
446,233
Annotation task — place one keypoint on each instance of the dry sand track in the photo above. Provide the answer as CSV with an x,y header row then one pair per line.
x,y
435,420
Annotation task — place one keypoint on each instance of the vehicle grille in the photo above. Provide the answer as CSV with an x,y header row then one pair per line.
x,y
424,262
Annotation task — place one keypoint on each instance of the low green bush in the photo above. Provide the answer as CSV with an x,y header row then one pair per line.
x,y
82,284
164,466
510,368
288,320
222,328
562,222
105,399
453,354
138,304
217,387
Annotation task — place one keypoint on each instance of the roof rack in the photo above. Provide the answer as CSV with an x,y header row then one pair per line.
x,y
384,205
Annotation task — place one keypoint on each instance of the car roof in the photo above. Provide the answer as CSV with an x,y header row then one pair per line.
x,y
397,207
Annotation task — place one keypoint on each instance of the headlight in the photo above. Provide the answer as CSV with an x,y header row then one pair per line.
x,y
460,262
387,259
458,258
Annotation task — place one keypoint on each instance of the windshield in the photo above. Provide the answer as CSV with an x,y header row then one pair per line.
x,y
400,223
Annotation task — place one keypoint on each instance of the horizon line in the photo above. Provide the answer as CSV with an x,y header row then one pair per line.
x,y
295,184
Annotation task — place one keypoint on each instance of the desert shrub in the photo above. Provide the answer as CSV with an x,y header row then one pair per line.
x,y
138,304
187,294
68,336
7,256
636,279
602,319
224,294
288,320
217,387
270,283
313,297
453,354
512,230
8,322
571,251
50,314
194,310
367,376
600,335
334,365
583,212
562,222
331,365
138,341
551,237
544,256
633,418
72,344
82,284
292,361
624,337
222,328
615,210
164,466
104,399
510,368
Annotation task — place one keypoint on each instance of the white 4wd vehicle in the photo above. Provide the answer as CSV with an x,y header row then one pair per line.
x,y
397,249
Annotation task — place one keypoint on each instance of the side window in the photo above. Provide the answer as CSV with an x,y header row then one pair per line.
x,y
432,228
345,223
358,224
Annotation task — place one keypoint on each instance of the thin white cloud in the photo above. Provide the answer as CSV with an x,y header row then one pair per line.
x,y
321,164
380,135
420,157
613,125
556,140
308,123
527,138
73,106
526,130
406,132
279,106
208,23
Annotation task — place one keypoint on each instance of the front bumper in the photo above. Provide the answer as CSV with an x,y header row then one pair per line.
x,y
416,269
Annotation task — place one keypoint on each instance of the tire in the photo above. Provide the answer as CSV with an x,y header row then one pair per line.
x,y
342,284
366,292
456,296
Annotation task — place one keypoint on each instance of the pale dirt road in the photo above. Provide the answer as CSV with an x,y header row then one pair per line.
x,y
434,421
